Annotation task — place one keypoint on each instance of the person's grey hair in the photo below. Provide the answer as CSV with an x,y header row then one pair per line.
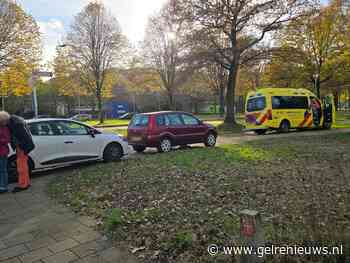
x,y
4,116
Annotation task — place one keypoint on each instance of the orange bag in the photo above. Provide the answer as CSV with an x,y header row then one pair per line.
x,y
22,169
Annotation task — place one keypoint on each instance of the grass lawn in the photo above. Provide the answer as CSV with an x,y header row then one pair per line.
x,y
109,122
174,205
120,131
343,120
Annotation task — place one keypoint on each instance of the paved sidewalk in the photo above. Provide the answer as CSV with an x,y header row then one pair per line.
x,y
33,229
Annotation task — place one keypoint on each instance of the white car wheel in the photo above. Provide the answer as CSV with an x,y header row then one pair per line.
x,y
113,153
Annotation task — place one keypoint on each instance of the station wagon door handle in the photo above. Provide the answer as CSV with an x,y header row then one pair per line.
x,y
68,142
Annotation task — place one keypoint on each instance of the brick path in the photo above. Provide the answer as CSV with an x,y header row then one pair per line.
x,y
33,229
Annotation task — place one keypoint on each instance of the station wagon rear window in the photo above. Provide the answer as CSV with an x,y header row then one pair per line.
x,y
256,104
139,121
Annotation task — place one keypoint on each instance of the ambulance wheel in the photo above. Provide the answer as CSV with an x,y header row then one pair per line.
x,y
327,125
260,132
284,126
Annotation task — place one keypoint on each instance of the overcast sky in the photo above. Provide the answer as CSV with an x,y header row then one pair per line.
x,y
55,16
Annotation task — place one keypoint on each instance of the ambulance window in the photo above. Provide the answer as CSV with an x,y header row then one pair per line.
x,y
256,104
290,102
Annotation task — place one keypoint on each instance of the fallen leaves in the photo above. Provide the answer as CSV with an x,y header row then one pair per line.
x,y
173,205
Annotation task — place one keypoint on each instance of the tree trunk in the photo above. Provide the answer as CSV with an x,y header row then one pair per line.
x,y
196,111
99,104
230,96
215,105
348,97
171,100
318,87
336,99
222,99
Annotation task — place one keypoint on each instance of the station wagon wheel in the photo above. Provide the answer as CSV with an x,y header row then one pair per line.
x,y
139,149
284,126
164,145
112,153
210,141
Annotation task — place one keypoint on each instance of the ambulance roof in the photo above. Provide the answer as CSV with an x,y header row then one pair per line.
x,y
281,92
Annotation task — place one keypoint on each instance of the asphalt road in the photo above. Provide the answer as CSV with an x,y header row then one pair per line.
x,y
251,136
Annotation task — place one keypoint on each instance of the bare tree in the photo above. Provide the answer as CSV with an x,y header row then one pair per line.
x,y
166,50
234,29
19,35
95,42
217,77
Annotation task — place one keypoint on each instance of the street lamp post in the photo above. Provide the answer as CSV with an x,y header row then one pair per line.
x,y
35,75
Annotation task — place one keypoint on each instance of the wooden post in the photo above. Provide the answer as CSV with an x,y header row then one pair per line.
x,y
252,235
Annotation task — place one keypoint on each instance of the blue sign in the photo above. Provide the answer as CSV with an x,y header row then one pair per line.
x,y
115,109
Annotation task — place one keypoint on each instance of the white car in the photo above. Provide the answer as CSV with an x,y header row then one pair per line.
x,y
81,117
62,142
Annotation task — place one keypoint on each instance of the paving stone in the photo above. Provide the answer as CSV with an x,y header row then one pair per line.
x,y
15,210
63,245
17,239
35,255
12,260
63,257
34,229
12,252
87,221
6,228
117,255
8,204
40,242
2,245
92,259
60,236
75,228
87,236
89,248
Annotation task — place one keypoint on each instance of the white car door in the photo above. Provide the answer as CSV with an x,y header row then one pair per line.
x,y
49,145
79,144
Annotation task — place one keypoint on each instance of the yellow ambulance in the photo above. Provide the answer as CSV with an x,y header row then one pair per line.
x,y
283,109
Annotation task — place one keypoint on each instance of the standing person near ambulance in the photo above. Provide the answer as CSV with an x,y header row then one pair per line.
x,y
22,143
4,150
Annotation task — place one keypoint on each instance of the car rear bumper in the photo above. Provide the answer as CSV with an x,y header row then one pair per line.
x,y
148,141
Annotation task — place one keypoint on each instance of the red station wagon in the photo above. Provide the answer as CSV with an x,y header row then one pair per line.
x,y
163,130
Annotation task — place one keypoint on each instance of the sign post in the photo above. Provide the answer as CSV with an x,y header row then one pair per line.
x,y
35,75
252,235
